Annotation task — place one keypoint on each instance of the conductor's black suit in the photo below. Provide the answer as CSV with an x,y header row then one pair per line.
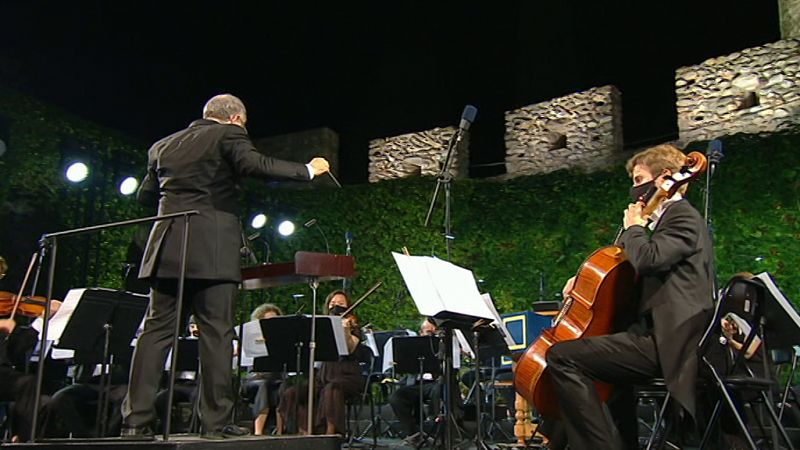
x,y
196,169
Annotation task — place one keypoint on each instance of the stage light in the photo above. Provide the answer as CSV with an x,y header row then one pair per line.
x,y
286,228
77,172
258,221
128,186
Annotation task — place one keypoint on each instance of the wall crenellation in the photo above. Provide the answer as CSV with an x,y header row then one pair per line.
x,y
581,130
415,154
754,90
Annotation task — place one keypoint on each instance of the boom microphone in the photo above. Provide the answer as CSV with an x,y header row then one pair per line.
x,y
467,117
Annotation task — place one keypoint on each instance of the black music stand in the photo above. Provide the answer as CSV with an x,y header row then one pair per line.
x,y
417,355
188,361
103,325
775,322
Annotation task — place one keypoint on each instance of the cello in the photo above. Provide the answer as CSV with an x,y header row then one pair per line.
x,y
604,287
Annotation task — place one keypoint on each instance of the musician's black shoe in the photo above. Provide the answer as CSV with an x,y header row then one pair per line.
x,y
227,432
143,433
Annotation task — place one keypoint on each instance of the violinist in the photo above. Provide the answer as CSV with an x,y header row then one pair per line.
x,y
672,254
338,380
16,343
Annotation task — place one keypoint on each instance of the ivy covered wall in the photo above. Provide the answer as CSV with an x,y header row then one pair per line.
x,y
512,234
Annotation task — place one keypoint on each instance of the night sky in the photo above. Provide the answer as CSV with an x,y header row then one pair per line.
x,y
365,69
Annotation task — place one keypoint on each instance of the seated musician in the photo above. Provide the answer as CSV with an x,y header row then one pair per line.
x,y
263,387
405,400
73,409
337,380
671,252
16,343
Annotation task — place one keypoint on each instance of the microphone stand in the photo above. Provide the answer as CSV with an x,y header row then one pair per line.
x,y
714,156
445,179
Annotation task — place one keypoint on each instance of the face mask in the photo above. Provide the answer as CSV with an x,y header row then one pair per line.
x,y
337,310
643,191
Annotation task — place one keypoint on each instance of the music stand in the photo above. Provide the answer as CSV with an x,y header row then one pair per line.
x,y
447,293
102,325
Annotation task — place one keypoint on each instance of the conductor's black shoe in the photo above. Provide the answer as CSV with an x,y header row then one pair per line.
x,y
227,432
143,433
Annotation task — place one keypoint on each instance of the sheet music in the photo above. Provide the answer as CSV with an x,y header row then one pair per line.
x,y
498,321
60,319
253,345
779,297
437,285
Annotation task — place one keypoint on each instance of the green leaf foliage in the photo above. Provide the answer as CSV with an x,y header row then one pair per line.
x,y
522,237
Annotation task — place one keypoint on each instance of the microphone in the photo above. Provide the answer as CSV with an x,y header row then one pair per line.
x,y
313,223
714,155
246,251
348,240
714,151
467,117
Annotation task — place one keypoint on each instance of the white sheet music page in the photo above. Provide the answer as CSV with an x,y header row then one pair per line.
x,y
418,280
59,320
253,341
498,322
437,285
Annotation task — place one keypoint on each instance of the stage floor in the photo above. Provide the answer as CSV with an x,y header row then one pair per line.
x,y
193,442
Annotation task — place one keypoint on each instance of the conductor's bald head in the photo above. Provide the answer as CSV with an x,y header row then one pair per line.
x,y
225,108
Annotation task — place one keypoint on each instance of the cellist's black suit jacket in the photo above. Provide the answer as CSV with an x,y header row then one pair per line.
x,y
198,168
675,268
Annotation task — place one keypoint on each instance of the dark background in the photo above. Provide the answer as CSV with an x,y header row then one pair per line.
x,y
365,69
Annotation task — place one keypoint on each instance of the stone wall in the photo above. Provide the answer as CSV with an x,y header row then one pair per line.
x,y
581,130
752,91
790,18
415,154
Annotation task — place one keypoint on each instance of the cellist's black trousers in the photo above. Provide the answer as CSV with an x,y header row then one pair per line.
x,y
622,359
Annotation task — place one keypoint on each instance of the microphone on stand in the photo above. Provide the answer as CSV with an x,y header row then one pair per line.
x,y
714,155
267,248
313,223
247,251
348,240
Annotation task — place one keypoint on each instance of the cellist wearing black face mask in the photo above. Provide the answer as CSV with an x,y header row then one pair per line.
x,y
666,244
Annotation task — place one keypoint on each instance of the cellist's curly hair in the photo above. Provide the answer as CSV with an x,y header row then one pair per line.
x,y
658,158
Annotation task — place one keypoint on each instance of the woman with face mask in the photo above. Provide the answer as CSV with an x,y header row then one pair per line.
x,y
336,380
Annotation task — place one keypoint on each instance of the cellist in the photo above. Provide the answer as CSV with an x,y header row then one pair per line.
x,y
671,252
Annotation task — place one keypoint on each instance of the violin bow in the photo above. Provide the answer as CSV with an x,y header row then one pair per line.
x,y
24,283
362,298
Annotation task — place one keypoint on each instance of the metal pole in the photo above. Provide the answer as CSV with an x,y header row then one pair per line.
x,y
312,345
43,338
177,330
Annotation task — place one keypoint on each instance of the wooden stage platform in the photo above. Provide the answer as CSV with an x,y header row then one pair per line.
x,y
193,442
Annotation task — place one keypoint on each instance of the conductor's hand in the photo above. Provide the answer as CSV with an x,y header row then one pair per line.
x,y
567,287
7,326
319,166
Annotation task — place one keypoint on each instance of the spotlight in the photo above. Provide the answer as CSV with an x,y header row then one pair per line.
x,y
128,186
286,228
77,172
258,221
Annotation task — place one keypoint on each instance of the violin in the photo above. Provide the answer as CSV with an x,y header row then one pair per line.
x,y
31,306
